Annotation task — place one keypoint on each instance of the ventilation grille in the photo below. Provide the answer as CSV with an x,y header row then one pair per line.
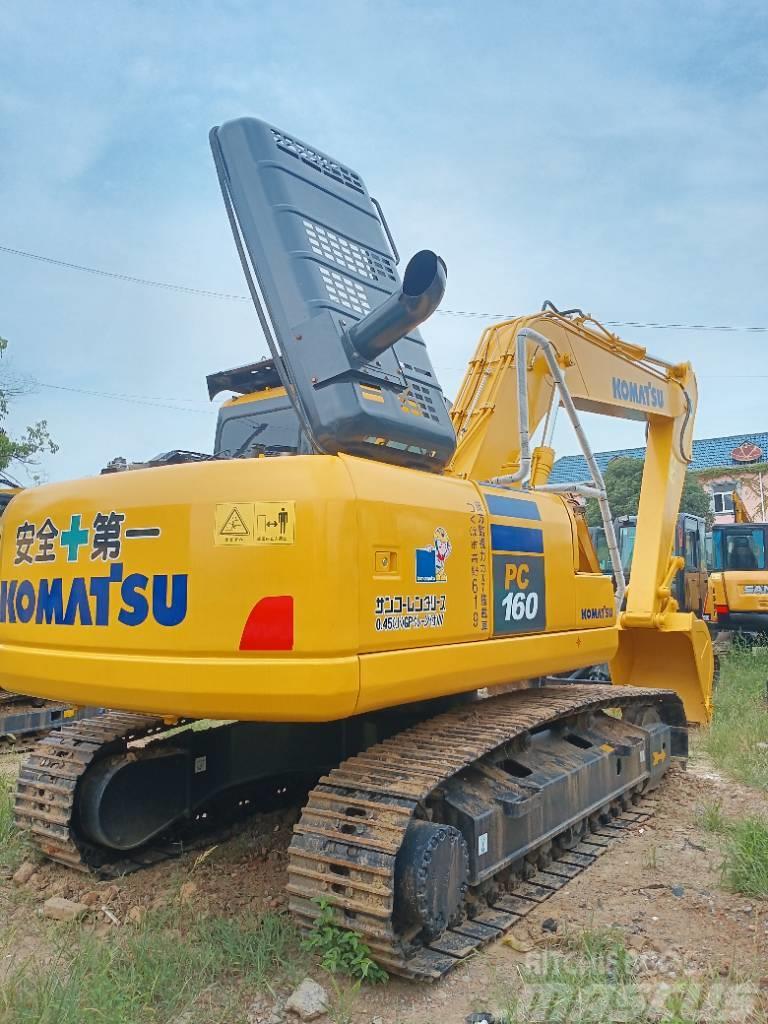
x,y
336,249
320,163
344,291
423,398
417,369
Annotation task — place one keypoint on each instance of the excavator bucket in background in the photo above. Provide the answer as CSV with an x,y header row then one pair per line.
x,y
678,653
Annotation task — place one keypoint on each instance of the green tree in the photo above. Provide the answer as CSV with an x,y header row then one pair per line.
x,y
34,441
623,478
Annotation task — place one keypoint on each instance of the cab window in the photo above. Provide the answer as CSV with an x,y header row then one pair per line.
x,y
627,546
248,428
692,554
601,549
741,550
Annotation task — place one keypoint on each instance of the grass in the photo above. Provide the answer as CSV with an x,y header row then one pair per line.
x,y
341,951
740,720
13,846
174,967
167,970
710,817
745,849
591,978
745,864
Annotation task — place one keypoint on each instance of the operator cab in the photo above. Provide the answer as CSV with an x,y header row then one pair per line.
x,y
739,547
261,419
689,586
600,544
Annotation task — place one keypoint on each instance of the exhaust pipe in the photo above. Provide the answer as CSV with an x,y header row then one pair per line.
x,y
422,292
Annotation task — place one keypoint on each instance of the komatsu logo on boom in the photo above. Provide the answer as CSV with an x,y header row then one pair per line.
x,y
89,600
640,394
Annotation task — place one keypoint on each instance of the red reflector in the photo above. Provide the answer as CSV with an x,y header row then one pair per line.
x,y
269,627
721,609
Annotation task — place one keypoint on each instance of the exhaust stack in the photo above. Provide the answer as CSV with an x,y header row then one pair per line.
x,y
422,292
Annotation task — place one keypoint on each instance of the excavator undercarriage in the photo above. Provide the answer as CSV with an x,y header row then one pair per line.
x,y
430,842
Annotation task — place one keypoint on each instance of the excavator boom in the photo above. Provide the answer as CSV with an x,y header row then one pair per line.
x,y
522,370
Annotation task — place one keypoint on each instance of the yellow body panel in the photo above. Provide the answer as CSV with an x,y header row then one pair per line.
x,y
742,591
256,396
370,625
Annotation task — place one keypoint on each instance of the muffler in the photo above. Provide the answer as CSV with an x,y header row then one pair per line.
x,y
422,291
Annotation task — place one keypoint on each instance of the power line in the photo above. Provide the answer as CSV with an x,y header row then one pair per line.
x,y
123,277
160,404
135,399
229,296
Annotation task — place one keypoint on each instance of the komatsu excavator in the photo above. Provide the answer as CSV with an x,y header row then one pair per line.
x,y
366,591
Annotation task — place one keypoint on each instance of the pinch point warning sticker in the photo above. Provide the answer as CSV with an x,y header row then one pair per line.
x,y
248,523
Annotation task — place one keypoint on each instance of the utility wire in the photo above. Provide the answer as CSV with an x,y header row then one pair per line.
x,y
135,399
207,293
123,277
160,404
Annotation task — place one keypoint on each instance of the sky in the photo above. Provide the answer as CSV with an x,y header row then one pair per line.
x,y
610,156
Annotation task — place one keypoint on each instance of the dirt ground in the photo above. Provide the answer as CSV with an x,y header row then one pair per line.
x,y
659,888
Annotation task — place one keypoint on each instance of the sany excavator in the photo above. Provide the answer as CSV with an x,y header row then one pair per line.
x,y
737,591
342,591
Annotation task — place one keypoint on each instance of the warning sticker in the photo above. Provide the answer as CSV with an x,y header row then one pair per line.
x,y
235,525
243,524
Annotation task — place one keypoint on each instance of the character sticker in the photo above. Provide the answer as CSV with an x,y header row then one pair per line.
x,y
430,561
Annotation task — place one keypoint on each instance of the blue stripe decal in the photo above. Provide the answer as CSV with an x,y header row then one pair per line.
x,y
500,505
517,538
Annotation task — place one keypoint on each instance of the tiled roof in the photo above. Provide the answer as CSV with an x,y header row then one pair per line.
x,y
708,453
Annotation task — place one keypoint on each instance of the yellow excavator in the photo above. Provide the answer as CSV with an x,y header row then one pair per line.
x,y
367,592
737,590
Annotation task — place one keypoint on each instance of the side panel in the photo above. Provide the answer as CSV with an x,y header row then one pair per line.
x,y
286,589
423,558
135,590
480,553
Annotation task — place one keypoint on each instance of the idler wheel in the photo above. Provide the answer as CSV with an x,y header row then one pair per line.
x,y
430,878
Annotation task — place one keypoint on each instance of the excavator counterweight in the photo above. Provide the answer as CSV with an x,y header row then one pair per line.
x,y
368,592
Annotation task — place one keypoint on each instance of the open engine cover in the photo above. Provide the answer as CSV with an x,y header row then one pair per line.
x,y
319,252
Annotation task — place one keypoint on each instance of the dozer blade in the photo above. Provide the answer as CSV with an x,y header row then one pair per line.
x,y
677,655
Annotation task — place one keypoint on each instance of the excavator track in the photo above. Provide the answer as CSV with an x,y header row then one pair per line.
x,y
45,800
346,842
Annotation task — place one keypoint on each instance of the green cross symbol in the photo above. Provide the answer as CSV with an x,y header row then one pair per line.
x,y
74,538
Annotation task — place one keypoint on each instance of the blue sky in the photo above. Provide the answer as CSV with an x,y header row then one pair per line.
x,y
607,155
